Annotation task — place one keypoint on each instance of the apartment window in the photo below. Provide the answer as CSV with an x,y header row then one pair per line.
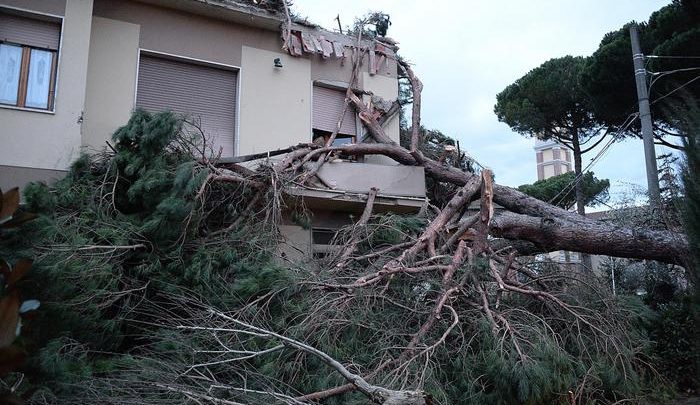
x,y
28,58
328,104
206,93
322,242
321,137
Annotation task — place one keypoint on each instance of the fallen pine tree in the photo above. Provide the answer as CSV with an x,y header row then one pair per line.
x,y
157,267
157,264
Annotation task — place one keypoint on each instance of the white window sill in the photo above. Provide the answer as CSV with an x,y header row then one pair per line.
x,y
10,107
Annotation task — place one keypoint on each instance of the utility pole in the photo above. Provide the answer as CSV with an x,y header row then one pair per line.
x,y
640,75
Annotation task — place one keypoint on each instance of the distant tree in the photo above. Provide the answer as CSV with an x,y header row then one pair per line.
x,y
549,103
555,190
672,32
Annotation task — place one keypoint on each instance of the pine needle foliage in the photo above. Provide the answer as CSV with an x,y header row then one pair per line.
x,y
691,220
125,226
136,249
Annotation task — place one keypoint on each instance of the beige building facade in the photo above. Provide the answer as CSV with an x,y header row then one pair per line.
x,y
554,159
219,60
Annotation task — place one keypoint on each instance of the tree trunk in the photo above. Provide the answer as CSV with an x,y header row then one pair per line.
x,y
669,247
578,175
556,233
578,186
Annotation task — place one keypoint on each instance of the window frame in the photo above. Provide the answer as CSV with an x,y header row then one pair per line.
x,y
26,61
341,87
320,250
203,62
317,134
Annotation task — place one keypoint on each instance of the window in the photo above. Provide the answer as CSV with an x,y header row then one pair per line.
x,y
322,242
205,93
321,137
328,104
562,256
321,236
28,58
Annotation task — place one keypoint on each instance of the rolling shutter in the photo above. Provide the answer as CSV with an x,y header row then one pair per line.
x,y
203,92
328,105
29,31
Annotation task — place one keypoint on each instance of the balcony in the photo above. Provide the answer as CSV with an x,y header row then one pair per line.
x,y
343,185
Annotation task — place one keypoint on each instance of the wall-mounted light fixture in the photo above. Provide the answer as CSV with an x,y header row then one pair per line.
x,y
278,62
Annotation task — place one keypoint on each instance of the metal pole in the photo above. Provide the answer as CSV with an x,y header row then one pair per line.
x,y
640,75
612,268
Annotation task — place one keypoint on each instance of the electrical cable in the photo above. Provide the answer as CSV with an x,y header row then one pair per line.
x,y
624,126
665,73
675,90
671,57
628,121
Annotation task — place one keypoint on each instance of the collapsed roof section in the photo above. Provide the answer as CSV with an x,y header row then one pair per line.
x,y
299,38
310,40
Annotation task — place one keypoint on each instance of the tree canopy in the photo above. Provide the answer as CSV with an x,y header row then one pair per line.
x,y
549,103
671,40
556,190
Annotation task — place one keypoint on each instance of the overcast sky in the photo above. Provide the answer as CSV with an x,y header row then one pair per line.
x,y
466,52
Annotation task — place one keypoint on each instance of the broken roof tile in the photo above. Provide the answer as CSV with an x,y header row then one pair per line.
x,y
295,46
317,45
307,43
326,46
338,49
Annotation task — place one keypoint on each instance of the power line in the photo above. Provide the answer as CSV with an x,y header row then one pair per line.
x,y
595,159
665,73
671,57
626,124
668,72
676,89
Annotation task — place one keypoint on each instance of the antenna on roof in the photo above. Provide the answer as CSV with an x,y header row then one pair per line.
x,y
339,26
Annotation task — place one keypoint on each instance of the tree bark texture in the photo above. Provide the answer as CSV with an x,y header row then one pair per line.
x,y
578,175
548,227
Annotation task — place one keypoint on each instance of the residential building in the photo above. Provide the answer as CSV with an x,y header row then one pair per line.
x,y
72,71
554,159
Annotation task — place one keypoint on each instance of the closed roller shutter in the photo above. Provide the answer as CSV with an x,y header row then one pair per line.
x,y
206,93
29,31
328,105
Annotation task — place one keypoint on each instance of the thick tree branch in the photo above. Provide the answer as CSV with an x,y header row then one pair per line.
x,y
667,246
552,233
416,89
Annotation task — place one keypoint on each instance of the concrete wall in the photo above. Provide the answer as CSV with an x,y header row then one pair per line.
x,y
275,107
275,104
184,34
51,140
387,88
55,7
391,180
11,176
295,244
111,79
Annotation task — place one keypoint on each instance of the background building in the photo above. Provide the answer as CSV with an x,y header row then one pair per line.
x,y
554,159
